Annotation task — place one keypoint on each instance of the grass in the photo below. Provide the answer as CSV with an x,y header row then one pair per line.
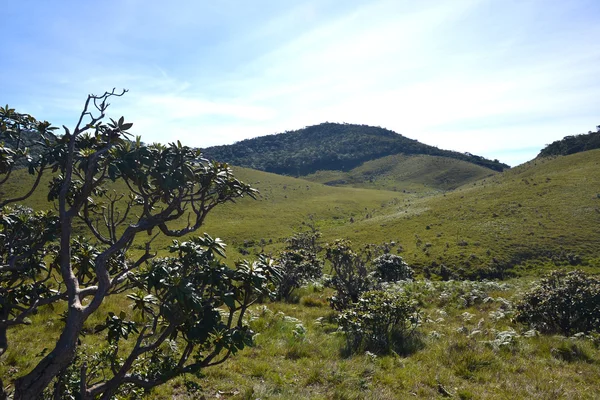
x,y
540,215
406,173
462,355
541,211
530,218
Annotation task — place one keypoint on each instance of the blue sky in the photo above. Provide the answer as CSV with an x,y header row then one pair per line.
x,y
498,78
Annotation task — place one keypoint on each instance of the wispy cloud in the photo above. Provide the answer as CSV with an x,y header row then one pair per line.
x,y
495,78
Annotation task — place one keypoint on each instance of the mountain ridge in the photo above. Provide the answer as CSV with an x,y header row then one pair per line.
x,y
329,146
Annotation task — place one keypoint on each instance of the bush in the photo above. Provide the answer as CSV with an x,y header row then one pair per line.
x,y
297,267
299,263
563,302
380,321
351,278
392,268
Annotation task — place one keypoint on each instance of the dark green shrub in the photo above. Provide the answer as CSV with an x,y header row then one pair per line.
x,y
392,268
297,267
299,263
307,240
351,277
563,302
380,321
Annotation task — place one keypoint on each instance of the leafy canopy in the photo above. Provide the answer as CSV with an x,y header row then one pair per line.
x,y
191,304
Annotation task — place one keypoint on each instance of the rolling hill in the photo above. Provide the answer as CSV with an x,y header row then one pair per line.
x,y
543,212
399,172
329,146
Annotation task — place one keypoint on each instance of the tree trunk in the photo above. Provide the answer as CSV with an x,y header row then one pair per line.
x,y
32,385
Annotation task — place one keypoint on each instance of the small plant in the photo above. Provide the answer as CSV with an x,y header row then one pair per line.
x,y
392,268
571,351
563,302
380,321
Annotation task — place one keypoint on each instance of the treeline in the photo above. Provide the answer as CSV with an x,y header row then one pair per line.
x,y
328,146
572,144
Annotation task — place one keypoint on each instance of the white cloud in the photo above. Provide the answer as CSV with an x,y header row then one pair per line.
x,y
482,76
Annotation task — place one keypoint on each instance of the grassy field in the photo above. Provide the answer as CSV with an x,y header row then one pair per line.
x,y
543,213
466,347
544,210
406,173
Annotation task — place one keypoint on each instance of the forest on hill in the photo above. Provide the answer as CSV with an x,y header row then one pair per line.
x,y
572,144
329,146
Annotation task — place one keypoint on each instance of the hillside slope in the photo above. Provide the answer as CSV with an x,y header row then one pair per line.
x,y
398,172
328,146
545,211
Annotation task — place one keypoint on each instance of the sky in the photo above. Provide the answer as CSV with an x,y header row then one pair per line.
x,y
496,78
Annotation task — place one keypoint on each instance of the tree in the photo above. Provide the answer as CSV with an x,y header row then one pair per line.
x,y
191,302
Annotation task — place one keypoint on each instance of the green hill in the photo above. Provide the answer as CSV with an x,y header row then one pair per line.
x,y
398,172
545,211
329,146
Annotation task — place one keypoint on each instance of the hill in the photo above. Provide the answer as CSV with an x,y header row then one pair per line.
x,y
412,173
572,144
329,146
543,212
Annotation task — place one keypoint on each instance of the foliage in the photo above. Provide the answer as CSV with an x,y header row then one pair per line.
x,y
329,146
299,263
308,240
196,306
350,275
297,267
572,144
191,299
563,302
392,268
380,321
